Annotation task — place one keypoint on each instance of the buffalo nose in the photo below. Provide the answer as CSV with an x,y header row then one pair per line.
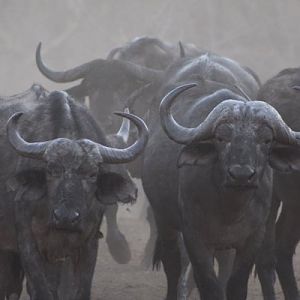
x,y
241,172
62,215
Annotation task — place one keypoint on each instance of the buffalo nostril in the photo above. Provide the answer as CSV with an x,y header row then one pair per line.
x,y
75,217
231,173
57,214
251,173
239,172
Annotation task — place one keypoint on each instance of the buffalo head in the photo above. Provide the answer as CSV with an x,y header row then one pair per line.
x,y
76,172
238,138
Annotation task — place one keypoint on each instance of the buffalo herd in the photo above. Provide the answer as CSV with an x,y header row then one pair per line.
x,y
217,153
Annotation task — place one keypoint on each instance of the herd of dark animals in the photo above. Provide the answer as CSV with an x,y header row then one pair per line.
x,y
218,157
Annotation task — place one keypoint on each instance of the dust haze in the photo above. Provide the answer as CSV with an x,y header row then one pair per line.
x,y
263,35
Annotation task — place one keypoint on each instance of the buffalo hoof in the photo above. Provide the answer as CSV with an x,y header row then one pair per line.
x,y
118,247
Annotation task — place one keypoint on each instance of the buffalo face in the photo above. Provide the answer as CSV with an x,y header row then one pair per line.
x,y
238,139
76,172
71,180
242,150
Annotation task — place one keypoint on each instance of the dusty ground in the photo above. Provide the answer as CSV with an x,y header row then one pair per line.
x,y
132,282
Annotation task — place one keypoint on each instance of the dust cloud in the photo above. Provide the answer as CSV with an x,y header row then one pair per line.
x,y
263,35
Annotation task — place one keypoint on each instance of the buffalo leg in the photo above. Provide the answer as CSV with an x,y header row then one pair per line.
x,y
32,262
191,285
202,262
11,275
265,261
287,237
182,289
237,286
15,276
151,241
167,251
116,241
3,273
225,259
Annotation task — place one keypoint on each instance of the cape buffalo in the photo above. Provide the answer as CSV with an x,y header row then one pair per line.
x,y
211,177
58,173
152,52
283,92
116,241
107,83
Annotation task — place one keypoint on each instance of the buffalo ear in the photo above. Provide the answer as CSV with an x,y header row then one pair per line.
x,y
114,187
285,158
197,154
34,182
33,178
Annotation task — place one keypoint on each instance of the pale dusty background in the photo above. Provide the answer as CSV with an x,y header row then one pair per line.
x,y
263,34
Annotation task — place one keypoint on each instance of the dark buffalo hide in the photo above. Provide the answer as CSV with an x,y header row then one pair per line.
x,y
58,173
283,92
210,176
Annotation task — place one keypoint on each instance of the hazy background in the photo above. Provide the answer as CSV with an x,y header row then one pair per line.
x,y
263,34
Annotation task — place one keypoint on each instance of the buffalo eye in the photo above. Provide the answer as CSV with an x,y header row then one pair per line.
x,y
265,135
223,133
89,174
222,139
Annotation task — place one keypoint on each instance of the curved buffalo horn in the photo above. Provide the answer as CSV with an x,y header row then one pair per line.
x,y
140,72
175,131
181,49
115,156
143,73
267,113
110,155
296,87
32,150
124,130
183,135
283,133
64,76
